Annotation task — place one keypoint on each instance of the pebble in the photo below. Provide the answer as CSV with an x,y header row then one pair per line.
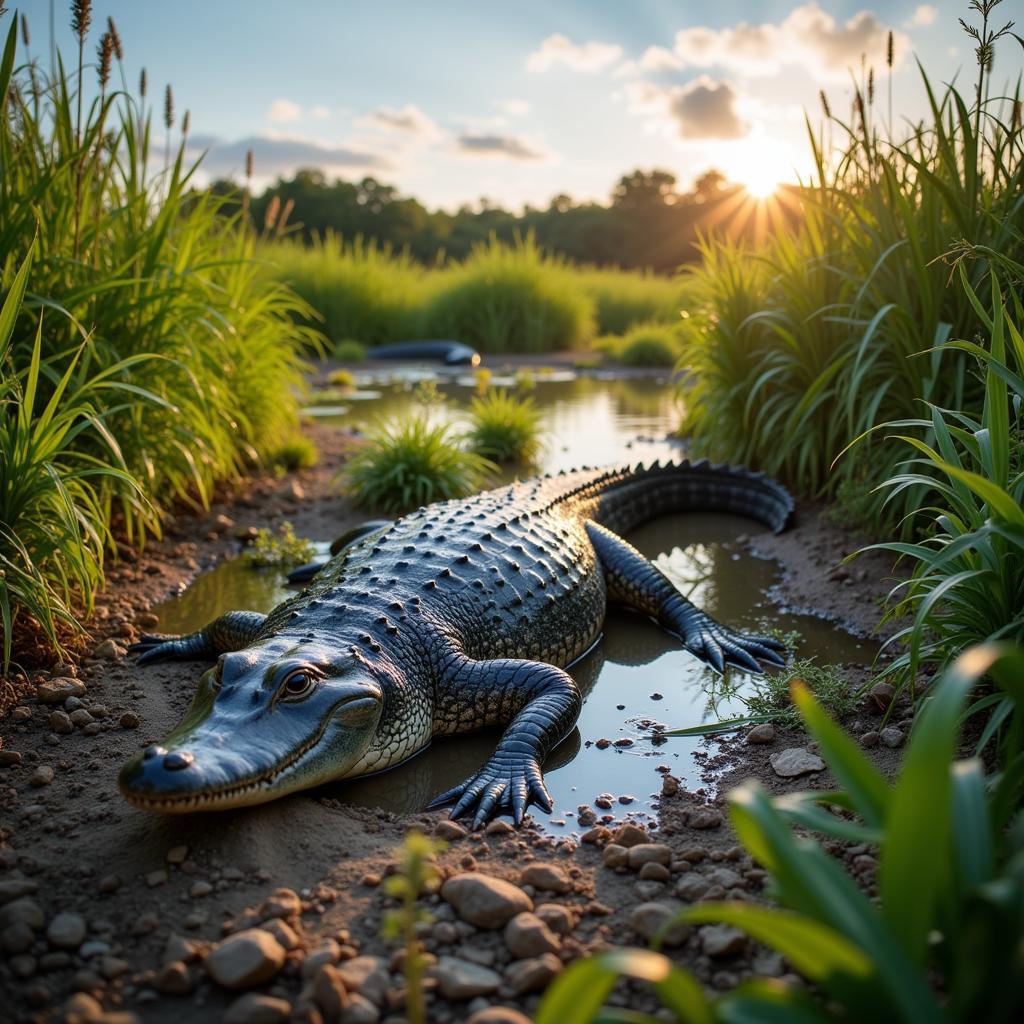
x,y
648,919
17,938
284,933
762,733
530,975
22,965
329,992
147,620
108,650
56,691
657,853
527,935
60,723
484,901
82,1008
173,979
654,872
8,758
558,918
66,931
360,1010
498,1015
881,695
718,940
156,878
42,776
669,785
282,903
460,980
245,959
794,761
367,975
615,856
546,877
144,924
14,888
450,830
704,818
602,744
630,835
328,952
176,855
80,718
200,889
647,891
891,736
498,828
255,1008
22,713
129,720
109,884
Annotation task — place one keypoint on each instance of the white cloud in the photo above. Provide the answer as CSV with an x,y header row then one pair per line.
x,y
408,120
706,109
923,16
587,58
808,36
514,108
274,155
320,112
282,111
507,146
657,58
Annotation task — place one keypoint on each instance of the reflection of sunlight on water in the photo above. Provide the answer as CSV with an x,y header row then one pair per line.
x,y
638,673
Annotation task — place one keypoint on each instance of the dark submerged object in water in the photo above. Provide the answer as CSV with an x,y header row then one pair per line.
x,y
451,353
457,617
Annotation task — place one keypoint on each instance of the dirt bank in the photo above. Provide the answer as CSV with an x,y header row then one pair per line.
x,y
122,907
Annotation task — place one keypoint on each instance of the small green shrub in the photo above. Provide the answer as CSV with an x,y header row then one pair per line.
x,y
625,299
348,350
649,345
504,428
510,298
281,549
341,379
298,452
411,462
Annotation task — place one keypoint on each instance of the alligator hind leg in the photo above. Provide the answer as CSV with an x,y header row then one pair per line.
x,y
537,702
637,583
231,632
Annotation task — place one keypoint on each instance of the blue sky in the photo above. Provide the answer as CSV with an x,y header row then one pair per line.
x,y
455,100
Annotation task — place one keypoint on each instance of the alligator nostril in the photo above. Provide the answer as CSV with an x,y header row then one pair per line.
x,y
153,751
178,759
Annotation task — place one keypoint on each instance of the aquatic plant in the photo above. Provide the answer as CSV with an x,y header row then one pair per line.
x,y
296,452
283,548
341,379
648,345
409,462
504,428
348,350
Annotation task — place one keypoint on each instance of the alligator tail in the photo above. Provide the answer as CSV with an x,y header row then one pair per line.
x,y
627,498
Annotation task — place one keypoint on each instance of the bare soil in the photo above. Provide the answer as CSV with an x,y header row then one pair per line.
x,y
144,884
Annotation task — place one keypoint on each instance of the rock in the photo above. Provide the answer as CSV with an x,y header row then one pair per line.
x,y
23,910
329,992
881,696
16,938
173,979
21,714
762,733
282,903
42,776
245,959
180,948
719,940
147,620
156,878
498,1015
530,975
558,918
460,980
484,901
891,736
14,888
23,966
82,1008
254,1008
60,723
546,877
648,920
869,739
177,855
109,884
130,720
527,935
108,651
328,952
284,933
596,836
794,761
9,758
652,871
704,818
657,853
66,931
197,890
367,975
726,878
647,891
498,828
449,830
615,856
444,933
360,1010
56,691
630,835
669,785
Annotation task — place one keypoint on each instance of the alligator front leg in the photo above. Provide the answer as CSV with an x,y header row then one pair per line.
x,y
231,632
637,583
538,702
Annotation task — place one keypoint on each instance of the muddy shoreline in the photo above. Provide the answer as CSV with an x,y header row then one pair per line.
x,y
152,894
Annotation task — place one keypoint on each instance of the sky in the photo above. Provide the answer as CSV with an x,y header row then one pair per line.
x,y
455,100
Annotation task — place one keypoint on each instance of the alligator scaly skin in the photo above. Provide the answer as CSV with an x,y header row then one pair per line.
x,y
467,612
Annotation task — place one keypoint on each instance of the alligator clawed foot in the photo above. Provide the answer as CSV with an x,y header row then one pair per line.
x,y
507,784
720,646
152,647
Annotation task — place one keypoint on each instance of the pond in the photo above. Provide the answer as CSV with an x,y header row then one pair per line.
x,y
637,676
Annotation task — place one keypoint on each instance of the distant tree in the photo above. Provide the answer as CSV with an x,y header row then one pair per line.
x,y
643,190
709,185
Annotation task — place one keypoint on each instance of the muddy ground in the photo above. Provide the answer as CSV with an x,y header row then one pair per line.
x,y
106,910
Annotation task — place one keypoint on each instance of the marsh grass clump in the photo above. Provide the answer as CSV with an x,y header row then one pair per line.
x,y
510,298
341,379
625,299
771,697
504,428
409,462
648,345
283,548
348,350
297,452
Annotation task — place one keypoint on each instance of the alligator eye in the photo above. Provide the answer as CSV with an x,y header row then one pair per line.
x,y
297,684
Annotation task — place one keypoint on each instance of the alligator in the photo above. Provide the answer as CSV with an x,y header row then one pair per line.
x,y
461,616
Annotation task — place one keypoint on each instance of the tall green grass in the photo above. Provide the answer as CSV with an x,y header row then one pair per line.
x,y
806,342
625,299
165,354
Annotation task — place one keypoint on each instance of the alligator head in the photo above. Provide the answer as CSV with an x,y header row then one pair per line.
x,y
273,718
